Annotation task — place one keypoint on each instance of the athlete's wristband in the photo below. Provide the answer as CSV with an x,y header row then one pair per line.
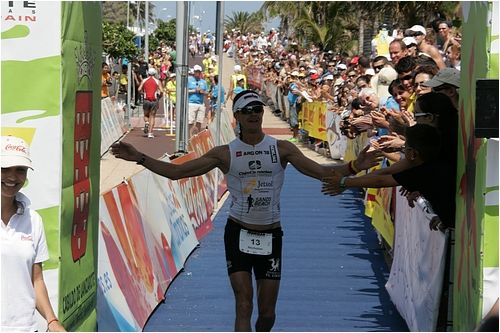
x,y
342,182
353,167
142,160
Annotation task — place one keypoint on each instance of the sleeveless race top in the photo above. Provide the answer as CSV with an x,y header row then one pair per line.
x,y
254,181
150,88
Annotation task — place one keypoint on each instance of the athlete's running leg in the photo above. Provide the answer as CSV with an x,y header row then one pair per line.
x,y
243,294
267,296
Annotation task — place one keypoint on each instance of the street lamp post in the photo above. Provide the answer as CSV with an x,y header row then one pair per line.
x,y
201,18
146,31
128,12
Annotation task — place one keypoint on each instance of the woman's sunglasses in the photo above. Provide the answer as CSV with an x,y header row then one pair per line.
x,y
257,109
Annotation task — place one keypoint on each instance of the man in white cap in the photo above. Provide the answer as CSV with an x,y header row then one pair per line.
x,y
419,32
411,46
254,164
447,82
23,247
197,89
152,89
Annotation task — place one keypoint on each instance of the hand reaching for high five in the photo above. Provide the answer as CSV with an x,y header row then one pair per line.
x,y
125,151
368,158
331,184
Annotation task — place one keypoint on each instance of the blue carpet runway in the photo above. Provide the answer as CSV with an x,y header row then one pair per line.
x,y
333,271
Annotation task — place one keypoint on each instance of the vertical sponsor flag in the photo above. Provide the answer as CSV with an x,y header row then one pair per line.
x,y
81,47
474,208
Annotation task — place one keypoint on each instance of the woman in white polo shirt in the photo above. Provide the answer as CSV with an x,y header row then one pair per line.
x,y
23,247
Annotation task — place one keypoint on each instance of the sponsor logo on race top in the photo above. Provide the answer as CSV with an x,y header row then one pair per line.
x,y
264,184
274,155
239,154
254,165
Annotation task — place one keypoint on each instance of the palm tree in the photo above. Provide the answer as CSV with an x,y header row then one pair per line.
x,y
244,22
342,25
325,23
116,11
287,11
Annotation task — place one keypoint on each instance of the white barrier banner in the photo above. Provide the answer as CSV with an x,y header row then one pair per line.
x,y
336,141
112,124
416,278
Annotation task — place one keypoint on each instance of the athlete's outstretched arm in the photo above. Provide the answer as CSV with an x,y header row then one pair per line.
x,y
290,153
215,158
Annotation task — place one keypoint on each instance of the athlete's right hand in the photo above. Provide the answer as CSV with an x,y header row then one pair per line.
x,y
125,151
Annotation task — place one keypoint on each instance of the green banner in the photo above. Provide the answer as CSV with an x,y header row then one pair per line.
x,y
471,174
81,41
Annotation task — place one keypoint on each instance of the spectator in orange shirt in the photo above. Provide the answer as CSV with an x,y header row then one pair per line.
x,y
105,80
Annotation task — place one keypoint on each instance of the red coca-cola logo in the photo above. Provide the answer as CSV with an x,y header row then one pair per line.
x,y
10,147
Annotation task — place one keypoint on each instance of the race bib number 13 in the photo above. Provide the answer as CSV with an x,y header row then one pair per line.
x,y
256,242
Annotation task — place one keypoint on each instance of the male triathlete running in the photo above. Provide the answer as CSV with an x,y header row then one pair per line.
x,y
254,165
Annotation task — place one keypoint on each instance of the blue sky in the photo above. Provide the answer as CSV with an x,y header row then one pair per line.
x,y
203,12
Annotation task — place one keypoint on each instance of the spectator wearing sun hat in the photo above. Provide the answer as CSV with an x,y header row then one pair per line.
x,y
411,46
23,248
419,32
171,88
384,80
447,82
293,95
197,89
233,82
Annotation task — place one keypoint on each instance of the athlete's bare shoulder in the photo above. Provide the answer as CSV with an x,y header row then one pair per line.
x,y
221,153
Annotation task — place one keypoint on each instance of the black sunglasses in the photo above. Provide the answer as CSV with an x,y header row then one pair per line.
x,y
257,109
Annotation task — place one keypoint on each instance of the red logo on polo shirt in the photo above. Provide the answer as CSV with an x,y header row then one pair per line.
x,y
26,238
239,154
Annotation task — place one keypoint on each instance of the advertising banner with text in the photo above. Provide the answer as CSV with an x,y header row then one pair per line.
x,y
313,116
145,238
416,277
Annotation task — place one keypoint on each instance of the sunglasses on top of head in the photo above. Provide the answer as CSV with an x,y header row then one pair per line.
x,y
257,109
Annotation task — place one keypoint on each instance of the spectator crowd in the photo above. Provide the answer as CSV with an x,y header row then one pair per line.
x,y
411,76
